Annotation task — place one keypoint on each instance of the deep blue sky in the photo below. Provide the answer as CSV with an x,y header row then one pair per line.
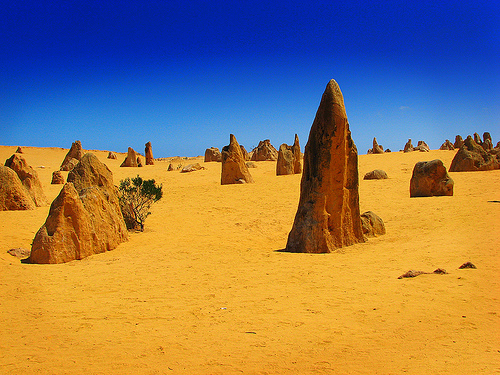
x,y
185,74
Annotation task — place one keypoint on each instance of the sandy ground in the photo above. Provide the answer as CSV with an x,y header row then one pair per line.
x,y
205,289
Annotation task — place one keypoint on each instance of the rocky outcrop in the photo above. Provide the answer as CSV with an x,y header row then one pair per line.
x,y
477,139
447,145
234,169
191,168
19,150
458,141
328,215
473,157
212,154
245,153
422,147
376,174
148,152
13,195
264,151
376,149
372,224
112,155
57,178
487,142
289,159
84,219
429,179
73,156
29,179
139,161
131,159
408,146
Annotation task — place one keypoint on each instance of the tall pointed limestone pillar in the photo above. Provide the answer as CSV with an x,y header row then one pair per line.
x,y
328,215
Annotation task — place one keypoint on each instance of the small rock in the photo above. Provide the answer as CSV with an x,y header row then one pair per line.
x,y
467,265
19,252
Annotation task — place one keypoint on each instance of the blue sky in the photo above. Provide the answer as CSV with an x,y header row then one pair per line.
x,y
186,74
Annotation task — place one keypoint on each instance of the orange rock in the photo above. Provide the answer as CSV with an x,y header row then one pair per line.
x,y
264,151
328,215
29,179
429,179
472,157
234,169
212,154
73,156
131,159
13,195
289,159
149,154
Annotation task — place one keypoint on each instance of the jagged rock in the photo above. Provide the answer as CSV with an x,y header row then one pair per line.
x,y
84,219
73,156
19,150
139,161
408,146
472,157
234,169
422,147
112,155
447,145
430,179
376,174
149,154
458,141
372,224
57,178
245,153
264,151
477,139
29,178
289,159
191,168
328,215
19,252
13,195
387,150
131,159
413,273
376,149
212,154
487,141
467,265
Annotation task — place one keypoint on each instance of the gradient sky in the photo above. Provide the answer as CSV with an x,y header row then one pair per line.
x,y
185,74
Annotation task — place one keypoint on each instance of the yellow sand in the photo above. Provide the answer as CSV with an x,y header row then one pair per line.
x,y
205,289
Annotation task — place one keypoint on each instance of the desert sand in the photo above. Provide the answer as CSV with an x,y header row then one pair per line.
x,y
205,288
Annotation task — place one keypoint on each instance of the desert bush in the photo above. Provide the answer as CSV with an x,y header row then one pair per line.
x,y
136,198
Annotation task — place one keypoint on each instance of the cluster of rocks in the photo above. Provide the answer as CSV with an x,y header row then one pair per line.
x,y
20,187
133,159
421,146
289,159
475,154
84,219
377,149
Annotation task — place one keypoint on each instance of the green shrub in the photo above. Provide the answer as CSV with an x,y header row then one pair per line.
x,y
136,197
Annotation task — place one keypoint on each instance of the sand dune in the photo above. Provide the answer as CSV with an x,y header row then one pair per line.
x,y
205,290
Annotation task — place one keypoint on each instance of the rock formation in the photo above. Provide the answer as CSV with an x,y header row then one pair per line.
x,y
487,141
19,150
422,146
447,145
372,224
73,156
245,153
289,159
13,195
149,154
112,155
234,169
84,219
458,141
376,174
477,139
328,215
264,151
139,161
212,154
408,146
376,149
191,168
472,157
131,159
57,178
29,178
430,179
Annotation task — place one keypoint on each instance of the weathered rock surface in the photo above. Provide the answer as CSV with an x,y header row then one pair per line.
x,y
447,145
458,141
487,141
73,156
19,252
477,139
408,146
422,147
244,152
57,178
84,219
289,159
328,215
376,149
29,179
13,195
131,159
191,168
148,152
264,151
112,155
139,161
473,157
376,174
234,169
212,154
430,179
372,224
19,150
